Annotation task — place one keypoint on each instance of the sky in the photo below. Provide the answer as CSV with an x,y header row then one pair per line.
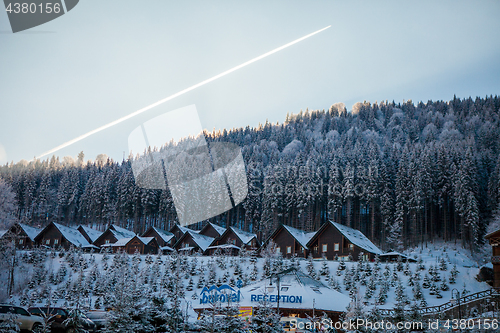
x,y
106,59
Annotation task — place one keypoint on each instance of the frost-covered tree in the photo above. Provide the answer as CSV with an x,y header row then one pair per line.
x,y
8,205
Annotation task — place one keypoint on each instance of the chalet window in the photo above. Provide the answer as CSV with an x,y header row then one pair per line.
x,y
351,247
365,257
56,241
336,247
278,249
21,241
107,241
47,242
315,249
324,248
288,249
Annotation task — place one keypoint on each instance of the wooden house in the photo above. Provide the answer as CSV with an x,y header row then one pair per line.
x,y
164,238
333,239
91,235
179,231
212,230
112,235
136,244
22,235
59,236
290,241
191,242
494,240
236,237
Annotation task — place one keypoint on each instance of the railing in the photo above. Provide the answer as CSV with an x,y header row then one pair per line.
x,y
449,305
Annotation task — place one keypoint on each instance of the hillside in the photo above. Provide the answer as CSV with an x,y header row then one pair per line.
x,y
401,173
99,281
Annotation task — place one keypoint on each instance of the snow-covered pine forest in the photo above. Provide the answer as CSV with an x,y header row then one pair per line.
x,y
401,173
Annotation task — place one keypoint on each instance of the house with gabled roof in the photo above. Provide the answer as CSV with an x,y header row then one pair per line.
x,y
494,240
163,238
179,231
136,244
59,236
112,235
191,242
23,235
290,241
236,237
212,230
90,234
337,240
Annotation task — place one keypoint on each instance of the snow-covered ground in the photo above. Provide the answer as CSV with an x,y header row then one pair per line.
x,y
90,278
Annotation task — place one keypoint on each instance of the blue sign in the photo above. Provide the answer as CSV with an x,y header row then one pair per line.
x,y
221,294
274,298
239,283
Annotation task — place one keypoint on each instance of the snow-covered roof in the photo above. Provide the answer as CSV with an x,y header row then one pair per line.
x,y
125,241
396,254
301,236
72,235
357,238
2,232
185,229
30,231
93,234
120,232
121,242
297,291
166,248
393,253
223,246
245,236
165,235
220,230
201,240
146,240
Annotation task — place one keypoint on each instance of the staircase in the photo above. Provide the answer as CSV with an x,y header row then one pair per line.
x,y
482,301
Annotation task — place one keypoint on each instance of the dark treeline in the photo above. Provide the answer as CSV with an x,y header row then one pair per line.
x,y
401,173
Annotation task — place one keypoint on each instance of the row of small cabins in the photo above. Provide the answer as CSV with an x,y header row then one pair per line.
x,y
332,240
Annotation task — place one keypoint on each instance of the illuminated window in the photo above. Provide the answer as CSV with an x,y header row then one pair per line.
x,y
21,241
47,242
56,241
336,247
351,247
278,249
324,248
288,249
107,241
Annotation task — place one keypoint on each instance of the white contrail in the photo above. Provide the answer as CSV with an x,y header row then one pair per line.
x,y
133,114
